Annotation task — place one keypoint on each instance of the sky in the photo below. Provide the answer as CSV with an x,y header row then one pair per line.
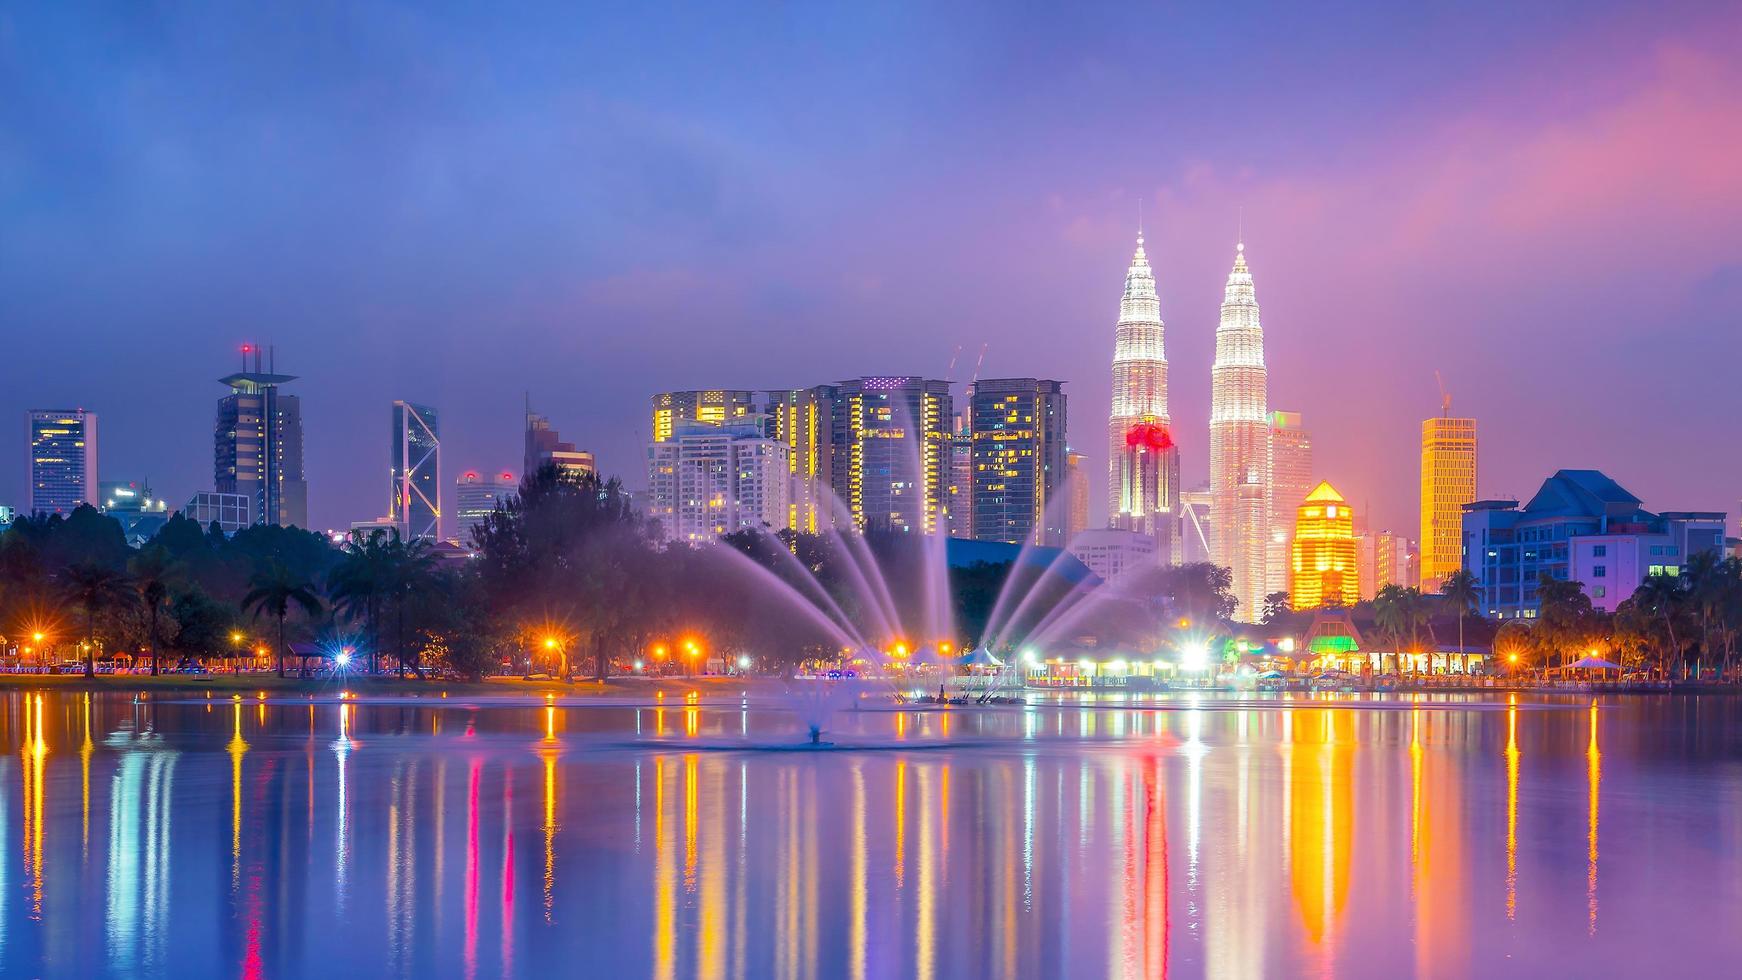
x,y
463,205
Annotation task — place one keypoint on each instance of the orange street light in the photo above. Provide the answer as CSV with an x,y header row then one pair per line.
x,y
550,643
659,651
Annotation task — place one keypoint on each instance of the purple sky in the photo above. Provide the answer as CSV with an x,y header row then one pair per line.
x,y
1541,201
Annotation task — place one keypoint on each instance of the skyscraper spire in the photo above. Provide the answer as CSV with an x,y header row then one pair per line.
x,y
1240,442
1142,461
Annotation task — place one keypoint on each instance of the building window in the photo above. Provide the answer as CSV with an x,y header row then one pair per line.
x,y
1599,591
1600,571
1599,551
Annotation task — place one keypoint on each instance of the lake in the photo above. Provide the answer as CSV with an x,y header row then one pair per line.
x,y
1074,837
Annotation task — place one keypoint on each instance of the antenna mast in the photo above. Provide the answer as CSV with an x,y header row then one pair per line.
x,y
1445,397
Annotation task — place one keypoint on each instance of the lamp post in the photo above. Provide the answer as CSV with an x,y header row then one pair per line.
x,y
693,650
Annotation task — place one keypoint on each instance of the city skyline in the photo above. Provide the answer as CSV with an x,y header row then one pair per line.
x,y
1463,216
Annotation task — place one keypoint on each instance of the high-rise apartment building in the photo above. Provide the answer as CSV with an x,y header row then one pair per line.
x,y
1142,459
477,496
803,419
1077,493
415,472
545,447
1240,494
258,444
891,452
717,406
706,480
63,459
1325,571
1448,482
961,496
1018,430
1291,479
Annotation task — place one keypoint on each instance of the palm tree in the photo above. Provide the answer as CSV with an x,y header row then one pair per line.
x,y
360,581
154,573
1665,597
410,569
1463,591
1391,613
96,589
273,591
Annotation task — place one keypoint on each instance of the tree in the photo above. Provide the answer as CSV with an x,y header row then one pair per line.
x,y
273,591
411,569
1276,607
1393,616
1565,619
96,589
361,581
1463,592
154,573
1665,600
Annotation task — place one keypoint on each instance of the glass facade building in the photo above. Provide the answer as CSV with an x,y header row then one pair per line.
x,y
1018,433
415,472
1324,568
258,446
63,460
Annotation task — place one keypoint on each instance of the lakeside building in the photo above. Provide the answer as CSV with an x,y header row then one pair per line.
x,y
803,419
1143,482
415,472
1017,427
890,452
1291,479
131,503
1324,568
1581,526
63,460
544,446
713,406
258,444
1076,494
476,497
707,480
1111,553
1448,482
1240,454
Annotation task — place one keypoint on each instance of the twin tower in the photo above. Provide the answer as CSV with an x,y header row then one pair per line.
x,y
1143,458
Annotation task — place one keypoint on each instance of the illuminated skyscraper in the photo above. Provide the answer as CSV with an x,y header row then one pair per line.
x,y
476,496
63,460
1394,561
1142,460
716,406
1291,479
1324,570
1077,494
544,445
1448,482
1240,493
802,418
258,445
706,480
1018,428
414,502
891,452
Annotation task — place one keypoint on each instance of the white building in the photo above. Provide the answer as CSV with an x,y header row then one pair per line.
x,y
476,496
1142,459
1240,444
708,480
230,511
1111,552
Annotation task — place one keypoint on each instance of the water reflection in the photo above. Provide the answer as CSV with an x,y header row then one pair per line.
x,y
269,839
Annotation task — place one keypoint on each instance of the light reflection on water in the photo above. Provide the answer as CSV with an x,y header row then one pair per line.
x,y
1233,838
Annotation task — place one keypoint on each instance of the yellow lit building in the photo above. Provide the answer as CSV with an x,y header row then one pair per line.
x,y
803,418
1323,566
716,406
1448,482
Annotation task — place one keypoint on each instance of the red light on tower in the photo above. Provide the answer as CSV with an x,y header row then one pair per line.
x,y
247,348
1149,435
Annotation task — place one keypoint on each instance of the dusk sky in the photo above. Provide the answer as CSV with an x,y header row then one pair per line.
x,y
1541,201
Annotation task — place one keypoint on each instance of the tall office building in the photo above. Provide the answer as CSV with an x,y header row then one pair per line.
x,y
891,452
1142,460
715,406
802,418
1394,560
63,460
961,496
1291,479
1448,482
1240,496
258,445
1077,493
1018,428
544,446
1325,571
415,472
706,480
476,497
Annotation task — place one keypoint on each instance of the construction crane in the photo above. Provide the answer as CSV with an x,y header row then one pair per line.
x,y
950,375
1445,397
977,363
